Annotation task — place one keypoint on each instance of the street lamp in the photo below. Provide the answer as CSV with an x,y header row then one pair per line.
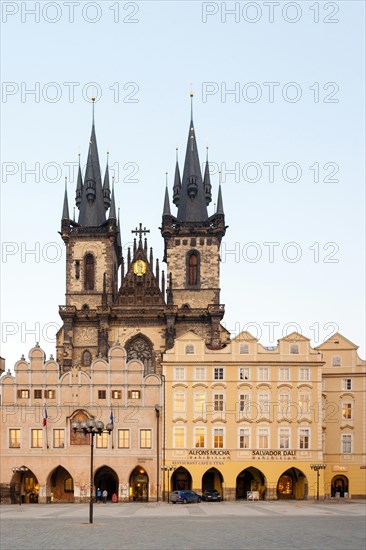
x,y
317,468
91,427
21,471
168,469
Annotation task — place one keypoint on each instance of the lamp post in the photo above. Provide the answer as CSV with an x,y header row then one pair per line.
x,y
91,427
21,471
168,469
317,468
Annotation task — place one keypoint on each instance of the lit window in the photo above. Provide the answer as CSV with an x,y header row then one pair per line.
x,y
244,373
304,403
263,403
263,438
199,437
304,438
199,402
218,402
145,439
102,394
218,373
244,438
68,485
284,438
102,440
304,374
284,374
189,349
23,394
244,402
134,394
218,438
347,411
179,437
37,438
123,439
179,373
37,394
200,373
346,443
179,402
336,361
14,438
59,439
244,348
263,373
294,349
116,394
50,394
347,384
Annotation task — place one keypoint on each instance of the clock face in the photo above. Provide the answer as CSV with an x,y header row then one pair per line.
x,y
139,268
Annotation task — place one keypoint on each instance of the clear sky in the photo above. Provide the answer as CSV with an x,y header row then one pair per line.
x,y
289,140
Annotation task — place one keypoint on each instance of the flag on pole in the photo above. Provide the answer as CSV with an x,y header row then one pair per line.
x,y
45,416
111,418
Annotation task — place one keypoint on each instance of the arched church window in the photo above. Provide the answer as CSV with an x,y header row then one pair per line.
x,y
141,348
87,358
193,268
89,272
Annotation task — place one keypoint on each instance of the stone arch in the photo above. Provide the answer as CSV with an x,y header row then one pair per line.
x,y
105,478
340,486
24,486
212,479
139,485
60,485
181,479
141,348
292,484
250,479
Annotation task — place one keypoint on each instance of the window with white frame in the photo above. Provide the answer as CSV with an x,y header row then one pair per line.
x,y
123,439
179,374
304,403
263,373
179,402
218,438
14,438
244,373
244,349
346,383
218,402
304,374
284,403
102,440
284,374
59,438
304,438
199,437
284,438
179,437
244,438
218,373
145,439
336,361
200,373
37,438
263,438
200,402
244,399
347,411
346,443
263,403
294,348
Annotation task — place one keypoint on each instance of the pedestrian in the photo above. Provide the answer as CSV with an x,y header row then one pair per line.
x,y
99,495
105,494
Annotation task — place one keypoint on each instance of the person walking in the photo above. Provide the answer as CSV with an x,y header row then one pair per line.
x,y
105,494
99,495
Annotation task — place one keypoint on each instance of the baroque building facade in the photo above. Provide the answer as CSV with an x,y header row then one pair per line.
x,y
191,407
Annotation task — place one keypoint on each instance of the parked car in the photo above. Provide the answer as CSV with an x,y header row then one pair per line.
x,y
213,496
184,497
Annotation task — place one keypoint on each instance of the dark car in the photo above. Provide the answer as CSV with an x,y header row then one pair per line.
x,y
184,497
212,496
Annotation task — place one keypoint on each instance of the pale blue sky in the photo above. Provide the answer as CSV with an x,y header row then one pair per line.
x,y
166,50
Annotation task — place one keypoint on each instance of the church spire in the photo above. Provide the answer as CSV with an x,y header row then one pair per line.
x,y
92,209
112,212
106,188
177,182
192,202
166,210
65,210
207,182
220,204
79,187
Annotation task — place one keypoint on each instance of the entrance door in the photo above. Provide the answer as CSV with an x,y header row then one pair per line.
x,y
139,485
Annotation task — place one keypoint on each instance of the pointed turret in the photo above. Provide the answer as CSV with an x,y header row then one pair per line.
x,y
207,182
92,210
192,202
112,212
166,209
220,204
79,187
65,210
106,188
177,183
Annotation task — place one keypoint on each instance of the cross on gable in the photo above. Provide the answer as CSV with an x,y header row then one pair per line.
x,y
140,231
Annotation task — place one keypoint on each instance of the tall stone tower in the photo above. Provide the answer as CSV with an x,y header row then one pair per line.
x,y
192,251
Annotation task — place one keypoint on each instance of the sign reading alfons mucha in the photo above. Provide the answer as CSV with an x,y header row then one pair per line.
x,y
275,453
209,453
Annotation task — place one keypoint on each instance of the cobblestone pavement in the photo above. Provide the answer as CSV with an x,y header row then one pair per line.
x,y
214,526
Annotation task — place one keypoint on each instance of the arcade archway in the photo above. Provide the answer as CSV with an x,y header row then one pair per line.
x,y
24,486
60,485
106,478
250,479
339,486
212,479
181,480
139,485
292,485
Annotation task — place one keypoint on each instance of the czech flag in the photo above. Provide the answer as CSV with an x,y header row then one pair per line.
x,y
45,416
111,418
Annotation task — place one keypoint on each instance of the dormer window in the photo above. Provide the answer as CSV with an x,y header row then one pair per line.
x,y
294,349
336,361
244,348
189,349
